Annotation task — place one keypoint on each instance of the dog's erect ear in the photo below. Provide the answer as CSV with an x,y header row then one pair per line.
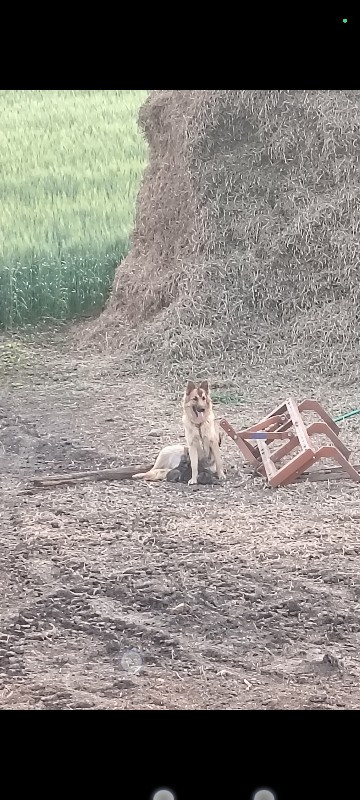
x,y
190,386
204,385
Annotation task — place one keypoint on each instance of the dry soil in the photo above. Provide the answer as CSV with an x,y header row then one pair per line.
x,y
131,595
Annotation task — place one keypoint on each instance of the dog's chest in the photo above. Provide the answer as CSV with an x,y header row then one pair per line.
x,y
202,439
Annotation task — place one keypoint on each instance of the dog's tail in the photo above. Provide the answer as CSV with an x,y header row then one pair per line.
x,y
153,475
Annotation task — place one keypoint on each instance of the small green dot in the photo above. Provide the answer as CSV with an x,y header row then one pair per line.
x,y
344,20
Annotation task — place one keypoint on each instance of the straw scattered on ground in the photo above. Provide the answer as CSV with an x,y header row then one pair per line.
x,y
156,596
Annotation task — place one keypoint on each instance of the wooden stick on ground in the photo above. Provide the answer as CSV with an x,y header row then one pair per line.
x,y
330,474
119,474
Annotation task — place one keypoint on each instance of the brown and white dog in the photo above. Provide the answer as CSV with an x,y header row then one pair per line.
x,y
201,432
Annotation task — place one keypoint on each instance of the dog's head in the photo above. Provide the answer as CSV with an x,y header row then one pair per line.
x,y
197,400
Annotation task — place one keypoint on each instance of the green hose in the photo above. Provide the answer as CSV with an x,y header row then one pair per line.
x,y
348,415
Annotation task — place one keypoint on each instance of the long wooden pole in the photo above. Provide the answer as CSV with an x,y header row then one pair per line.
x,y
119,474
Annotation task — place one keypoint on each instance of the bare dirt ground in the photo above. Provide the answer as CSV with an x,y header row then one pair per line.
x,y
125,595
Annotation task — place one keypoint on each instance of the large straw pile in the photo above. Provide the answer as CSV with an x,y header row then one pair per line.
x,y
246,243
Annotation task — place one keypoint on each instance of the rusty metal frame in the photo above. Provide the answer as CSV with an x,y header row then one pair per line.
x,y
285,422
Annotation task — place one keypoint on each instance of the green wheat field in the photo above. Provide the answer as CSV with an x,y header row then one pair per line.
x,y
71,163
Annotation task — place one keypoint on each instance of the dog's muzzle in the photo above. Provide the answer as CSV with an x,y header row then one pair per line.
x,y
200,414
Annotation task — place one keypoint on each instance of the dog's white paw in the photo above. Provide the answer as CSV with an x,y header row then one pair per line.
x,y
222,476
192,481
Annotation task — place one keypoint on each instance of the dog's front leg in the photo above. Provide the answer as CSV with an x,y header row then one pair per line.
x,y
194,461
218,461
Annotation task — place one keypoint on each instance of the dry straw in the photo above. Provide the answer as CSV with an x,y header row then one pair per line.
x,y
246,244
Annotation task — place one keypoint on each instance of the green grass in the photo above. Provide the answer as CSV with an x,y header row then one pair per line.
x,y
70,169
227,398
